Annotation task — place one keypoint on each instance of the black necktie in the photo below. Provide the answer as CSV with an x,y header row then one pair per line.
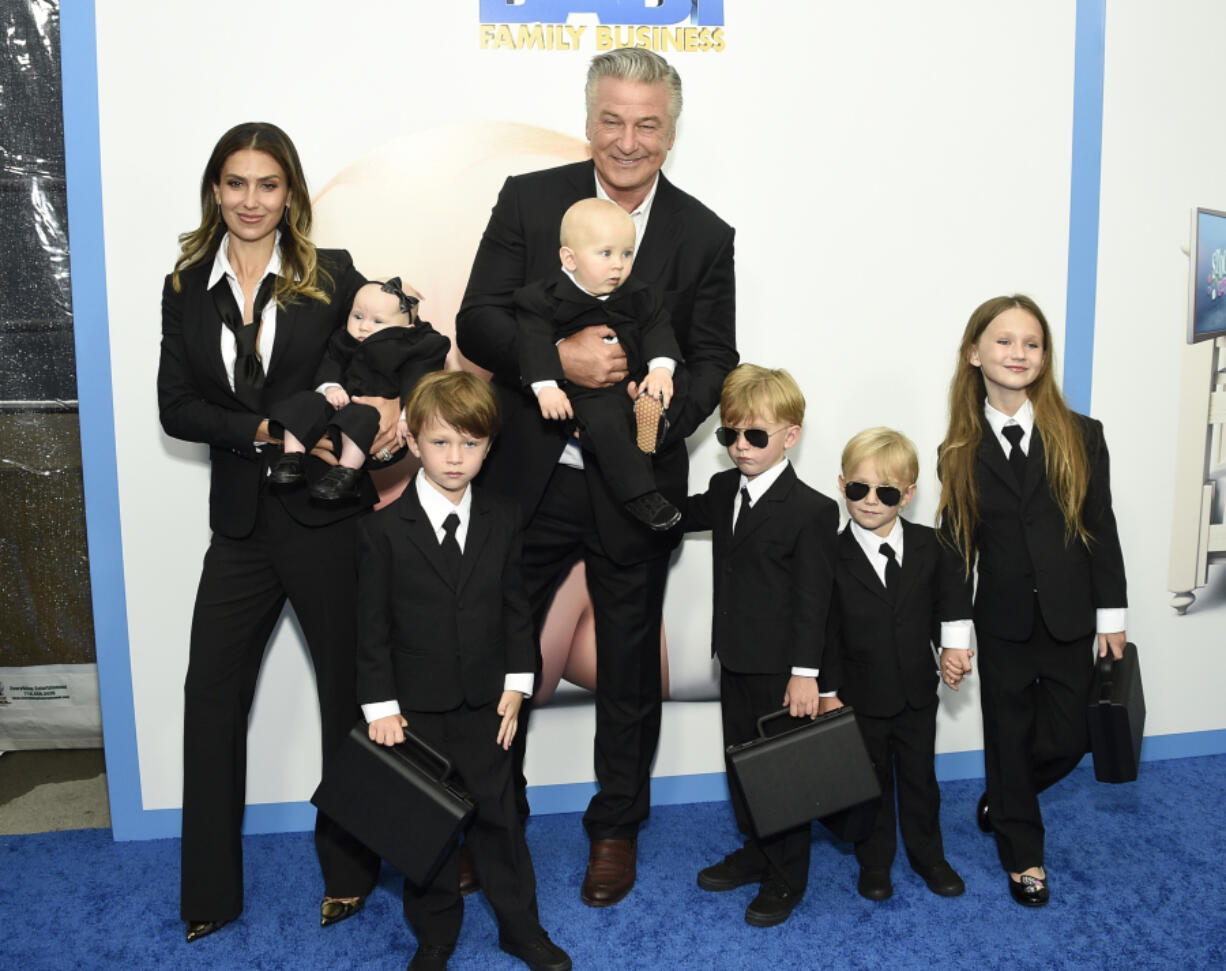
x,y
892,569
740,513
248,371
1017,458
450,546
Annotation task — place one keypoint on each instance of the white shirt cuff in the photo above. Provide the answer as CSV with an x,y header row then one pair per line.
x,y
664,362
956,634
326,385
380,709
1112,620
521,682
536,386
804,672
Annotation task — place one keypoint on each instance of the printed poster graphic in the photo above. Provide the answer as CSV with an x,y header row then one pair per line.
x,y
658,25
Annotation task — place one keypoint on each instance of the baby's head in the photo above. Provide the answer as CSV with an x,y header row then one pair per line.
x,y
761,411
880,467
597,239
377,306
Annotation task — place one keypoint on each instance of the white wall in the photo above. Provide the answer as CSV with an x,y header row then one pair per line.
x,y
887,167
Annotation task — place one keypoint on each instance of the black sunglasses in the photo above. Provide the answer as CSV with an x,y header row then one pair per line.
x,y
757,437
887,495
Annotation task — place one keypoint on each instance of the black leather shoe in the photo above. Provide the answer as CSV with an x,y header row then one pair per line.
x,y
874,883
727,875
773,905
197,929
338,483
1029,891
289,469
654,510
983,818
540,954
942,879
334,911
431,957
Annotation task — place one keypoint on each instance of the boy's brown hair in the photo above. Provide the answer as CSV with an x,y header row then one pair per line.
x,y
751,391
463,400
893,452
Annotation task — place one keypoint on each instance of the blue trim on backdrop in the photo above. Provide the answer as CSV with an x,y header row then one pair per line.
x,y
1082,287
87,261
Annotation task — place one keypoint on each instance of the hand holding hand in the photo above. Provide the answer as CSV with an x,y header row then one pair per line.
x,y
955,665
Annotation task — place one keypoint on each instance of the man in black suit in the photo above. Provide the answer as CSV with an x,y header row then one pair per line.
x,y
445,637
686,252
893,583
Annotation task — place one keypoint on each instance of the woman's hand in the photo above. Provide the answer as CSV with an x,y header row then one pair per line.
x,y
390,412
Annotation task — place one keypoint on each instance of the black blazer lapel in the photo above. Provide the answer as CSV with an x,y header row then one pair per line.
x,y
858,566
662,237
475,543
760,511
421,533
914,553
993,456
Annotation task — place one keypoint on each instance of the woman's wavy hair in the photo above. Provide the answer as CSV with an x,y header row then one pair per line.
x,y
300,270
1068,467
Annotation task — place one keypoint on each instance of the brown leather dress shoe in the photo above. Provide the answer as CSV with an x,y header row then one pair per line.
x,y
468,876
610,871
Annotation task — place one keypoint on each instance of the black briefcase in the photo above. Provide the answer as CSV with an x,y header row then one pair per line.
x,y
805,773
1116,717
396,799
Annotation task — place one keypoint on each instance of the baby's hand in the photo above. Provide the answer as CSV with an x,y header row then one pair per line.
x,y
554,404
337,396
659,384
388,730
508,708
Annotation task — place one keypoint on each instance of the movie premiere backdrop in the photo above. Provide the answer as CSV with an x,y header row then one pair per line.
x,y
886,166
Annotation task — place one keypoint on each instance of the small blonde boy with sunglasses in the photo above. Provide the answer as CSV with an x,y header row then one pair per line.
x,y
891,577
773,548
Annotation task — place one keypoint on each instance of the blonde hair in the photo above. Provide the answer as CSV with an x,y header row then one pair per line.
x,y
301,275
893,452
1064,447
635,64
463,400
751,391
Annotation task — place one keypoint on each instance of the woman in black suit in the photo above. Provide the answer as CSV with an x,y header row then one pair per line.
x,y
246,316
1026,497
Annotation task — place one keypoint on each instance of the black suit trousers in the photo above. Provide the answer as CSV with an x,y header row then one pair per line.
x,y
1033,695
495,838
628,602
902,749
743,699
243,587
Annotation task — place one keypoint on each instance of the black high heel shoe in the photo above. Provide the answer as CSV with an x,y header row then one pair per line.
x,y
332,911
197,929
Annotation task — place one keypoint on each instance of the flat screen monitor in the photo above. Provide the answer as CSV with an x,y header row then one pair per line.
x,y
1207,289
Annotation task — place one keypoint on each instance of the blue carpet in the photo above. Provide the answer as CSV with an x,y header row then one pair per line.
x,y
1136,875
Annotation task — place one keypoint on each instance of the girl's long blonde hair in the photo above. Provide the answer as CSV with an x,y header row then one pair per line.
x,y
1067,465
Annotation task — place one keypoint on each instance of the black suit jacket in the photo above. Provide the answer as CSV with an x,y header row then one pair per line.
x,y
425,640
388,364
686,255
879,651
197,404
549,310
1022,547
774,579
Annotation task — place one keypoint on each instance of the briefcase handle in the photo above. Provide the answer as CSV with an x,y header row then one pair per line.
x,y
420,743
779,713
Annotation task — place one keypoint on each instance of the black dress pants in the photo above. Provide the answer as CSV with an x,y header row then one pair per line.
x,y
628,602
1033,695
243,587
